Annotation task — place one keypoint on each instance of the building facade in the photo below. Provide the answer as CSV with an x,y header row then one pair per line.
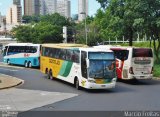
x,y
17,2
48,7
31,7
44,7
14,15
64,8
82,9
0,20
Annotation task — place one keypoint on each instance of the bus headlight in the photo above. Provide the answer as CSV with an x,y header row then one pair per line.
x,y
114,79
91,81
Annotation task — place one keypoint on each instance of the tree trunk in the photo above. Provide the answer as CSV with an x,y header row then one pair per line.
x,y
130,37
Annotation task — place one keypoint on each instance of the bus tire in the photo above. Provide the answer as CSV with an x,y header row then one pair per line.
x,y
29,64
50,75
76,83
46,72
8,62
26,64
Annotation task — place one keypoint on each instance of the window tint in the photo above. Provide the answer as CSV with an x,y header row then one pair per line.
x,y
16,49
31,49
84,64
76,56
121,54
22,49
142,52
69,54
64,54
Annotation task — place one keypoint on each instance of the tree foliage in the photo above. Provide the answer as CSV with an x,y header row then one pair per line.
x,y
91,29
103,3
41,29
127,18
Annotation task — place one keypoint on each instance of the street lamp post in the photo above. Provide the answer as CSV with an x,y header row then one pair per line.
x,y
85,27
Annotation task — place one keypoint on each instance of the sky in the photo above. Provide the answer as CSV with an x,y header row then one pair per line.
x,y
93,6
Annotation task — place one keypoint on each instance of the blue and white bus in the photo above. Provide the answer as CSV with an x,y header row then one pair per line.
x,y
26,54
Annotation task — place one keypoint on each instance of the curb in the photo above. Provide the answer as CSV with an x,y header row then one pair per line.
x,y
7,87
7,81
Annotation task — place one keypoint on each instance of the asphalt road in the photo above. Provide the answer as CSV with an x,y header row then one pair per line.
x,y
127,96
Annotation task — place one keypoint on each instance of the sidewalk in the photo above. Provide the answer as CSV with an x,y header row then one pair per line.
x,y
9,81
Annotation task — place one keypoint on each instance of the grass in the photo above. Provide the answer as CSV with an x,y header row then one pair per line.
x,y
156,72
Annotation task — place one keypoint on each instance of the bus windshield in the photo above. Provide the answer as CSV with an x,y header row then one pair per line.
x,y
101,65
142,52
102,69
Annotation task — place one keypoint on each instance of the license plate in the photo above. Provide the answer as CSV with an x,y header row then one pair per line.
x,y
103,85
141,77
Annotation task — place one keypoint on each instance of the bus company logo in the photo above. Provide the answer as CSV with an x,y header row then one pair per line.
x,y
83,82
57,62
26,55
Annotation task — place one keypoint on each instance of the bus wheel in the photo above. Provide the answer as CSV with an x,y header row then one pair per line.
x,y
77,84
26,64
8,62
50,75
29,64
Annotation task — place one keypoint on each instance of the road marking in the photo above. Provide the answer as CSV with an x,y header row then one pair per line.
x,y
5,107
23,100
7,69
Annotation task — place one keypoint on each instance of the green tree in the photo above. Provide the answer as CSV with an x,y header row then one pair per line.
x,y
127,18
47,33
23,33
103,3
92,29
55,19
31,19
42,29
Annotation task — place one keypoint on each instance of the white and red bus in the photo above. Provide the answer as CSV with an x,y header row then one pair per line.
x,y
132,62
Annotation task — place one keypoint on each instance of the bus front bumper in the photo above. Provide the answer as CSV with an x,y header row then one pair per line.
x,y
101,86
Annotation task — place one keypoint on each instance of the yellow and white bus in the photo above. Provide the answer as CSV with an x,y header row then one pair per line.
x,y
80,65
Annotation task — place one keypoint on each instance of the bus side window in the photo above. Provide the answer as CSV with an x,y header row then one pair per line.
x,y
69,55
62,54
57,53
76,56
46,52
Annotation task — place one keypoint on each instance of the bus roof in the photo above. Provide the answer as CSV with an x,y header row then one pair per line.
x,y
64,45
120,47
91,49
22,44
